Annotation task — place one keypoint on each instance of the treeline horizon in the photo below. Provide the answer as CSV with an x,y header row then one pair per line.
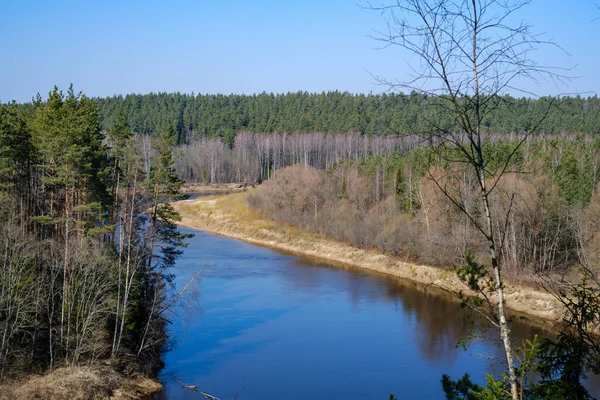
x,y
218,115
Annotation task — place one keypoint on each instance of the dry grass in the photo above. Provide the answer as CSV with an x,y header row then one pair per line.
x,y
79,383
215,188
232,217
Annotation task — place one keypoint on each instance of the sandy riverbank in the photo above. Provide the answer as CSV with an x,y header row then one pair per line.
x,y
230,216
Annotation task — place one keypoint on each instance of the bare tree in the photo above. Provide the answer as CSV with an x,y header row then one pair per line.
x,y
470,54
17,293
255,156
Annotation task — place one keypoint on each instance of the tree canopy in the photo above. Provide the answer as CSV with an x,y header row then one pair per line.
x,y
331,112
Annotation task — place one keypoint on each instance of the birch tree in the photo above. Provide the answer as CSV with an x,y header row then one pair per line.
x,y
469,55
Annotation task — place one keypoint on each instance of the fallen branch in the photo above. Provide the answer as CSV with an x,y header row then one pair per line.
x,y
194,388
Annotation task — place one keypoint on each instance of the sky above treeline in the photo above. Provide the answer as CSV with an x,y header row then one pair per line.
x,y
119,47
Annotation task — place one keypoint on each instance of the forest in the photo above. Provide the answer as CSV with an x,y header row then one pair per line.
x,y
225,116
87,238
88,234
378,188
391,202
457,164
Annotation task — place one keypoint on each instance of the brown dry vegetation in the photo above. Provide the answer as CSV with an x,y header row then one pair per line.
x,y
539,237
231,216
214,188
254,156
79,383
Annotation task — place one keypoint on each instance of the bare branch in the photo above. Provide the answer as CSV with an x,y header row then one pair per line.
x,y
469,57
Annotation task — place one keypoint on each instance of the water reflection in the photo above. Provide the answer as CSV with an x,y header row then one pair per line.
x,y
440,322
278,326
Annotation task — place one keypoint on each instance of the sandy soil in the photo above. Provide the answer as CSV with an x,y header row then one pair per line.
x,y
230,216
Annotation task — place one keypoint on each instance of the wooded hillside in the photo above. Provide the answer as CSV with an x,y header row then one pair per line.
x,y
392,202
86,238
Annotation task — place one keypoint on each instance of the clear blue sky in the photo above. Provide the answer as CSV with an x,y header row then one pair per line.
x,y
211,46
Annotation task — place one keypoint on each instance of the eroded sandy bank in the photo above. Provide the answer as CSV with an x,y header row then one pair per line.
x,y
230,216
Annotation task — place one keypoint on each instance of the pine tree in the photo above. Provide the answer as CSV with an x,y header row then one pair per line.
x,y
162,233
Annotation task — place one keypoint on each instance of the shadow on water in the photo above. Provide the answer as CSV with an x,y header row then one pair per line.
x,y
272,325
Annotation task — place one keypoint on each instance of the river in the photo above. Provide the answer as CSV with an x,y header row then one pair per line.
x,y
268,325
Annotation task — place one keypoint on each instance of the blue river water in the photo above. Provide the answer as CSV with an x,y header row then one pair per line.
x,y
267,325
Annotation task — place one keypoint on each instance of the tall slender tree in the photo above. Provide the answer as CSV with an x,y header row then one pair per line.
x,y
164,240
118,138
470,55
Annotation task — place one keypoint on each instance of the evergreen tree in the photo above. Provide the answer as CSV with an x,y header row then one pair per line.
x,y
163,235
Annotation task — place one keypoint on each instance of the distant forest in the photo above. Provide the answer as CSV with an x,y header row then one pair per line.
x,y
333,112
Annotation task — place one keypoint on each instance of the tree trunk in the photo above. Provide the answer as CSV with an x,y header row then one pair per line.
x,y
502,323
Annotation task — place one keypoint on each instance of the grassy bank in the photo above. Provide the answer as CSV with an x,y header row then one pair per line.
x,y
80,383
231,216
214,188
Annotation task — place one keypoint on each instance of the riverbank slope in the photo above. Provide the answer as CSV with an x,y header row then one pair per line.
x,y
214,188
230,216
80,382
